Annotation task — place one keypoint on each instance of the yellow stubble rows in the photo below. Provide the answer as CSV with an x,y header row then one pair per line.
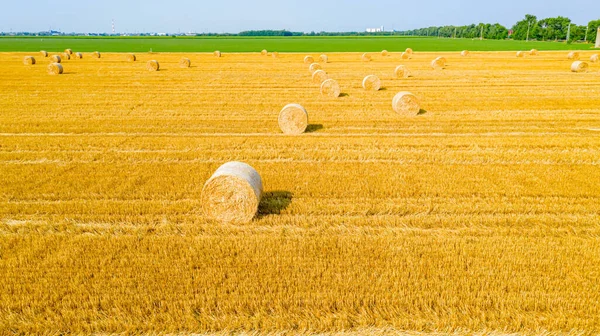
x,y
480,214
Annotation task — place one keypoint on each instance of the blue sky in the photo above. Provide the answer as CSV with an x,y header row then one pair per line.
x,y
237,15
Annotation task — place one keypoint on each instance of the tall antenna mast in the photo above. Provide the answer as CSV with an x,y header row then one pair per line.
x,y
113,26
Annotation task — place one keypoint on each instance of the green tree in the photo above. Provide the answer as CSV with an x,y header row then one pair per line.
x,y
593,30
520,28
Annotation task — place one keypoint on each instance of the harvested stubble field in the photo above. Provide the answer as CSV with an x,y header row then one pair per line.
x,y
481,214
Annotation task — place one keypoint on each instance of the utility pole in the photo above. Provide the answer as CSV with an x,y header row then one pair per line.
x,y
481,37
598,38
569,33
454,32
528,27
586,32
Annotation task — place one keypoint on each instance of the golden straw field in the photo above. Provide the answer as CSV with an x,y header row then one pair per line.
x,y
481,214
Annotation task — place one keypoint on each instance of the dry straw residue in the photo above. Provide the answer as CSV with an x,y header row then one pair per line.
x,y
293,119
55,69
319,76
130,57
56,59
275,54
153,65
29,60
573,55
579,66
44,53
314,67
232,194
406,103
365,57
185,63
331,88
308,59
323,58
464,53
371,83
401,71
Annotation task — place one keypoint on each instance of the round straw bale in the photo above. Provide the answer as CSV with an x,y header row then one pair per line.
x,y
371,83
185,63
275,54
408,51
153,65
309,59
579,66
67,56
55,69
406,103
385,53
314,67
217,53
29,60
323,58
520,54
319,76
405,56
293,119
330,88
464,53
365,57
78,55
96,54
232,193
264,52
534,52
56,59
401,71
130,57
573,55
594,58
438,63
44,53
68,51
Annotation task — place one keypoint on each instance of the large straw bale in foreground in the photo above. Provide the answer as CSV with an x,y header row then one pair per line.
x,y
153,65
319,76
579,66
365,57
371,83
308,59
44,53
130,57
293,119
29,60
56,59
323,58
232,194
314,67
185,63
573,55
406,103
401,71
55,69
331,88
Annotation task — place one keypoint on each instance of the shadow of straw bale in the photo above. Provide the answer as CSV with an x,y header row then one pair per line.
x,y
421,111
274,202
313,128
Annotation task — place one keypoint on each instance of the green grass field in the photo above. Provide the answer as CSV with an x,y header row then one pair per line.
x,y
281,44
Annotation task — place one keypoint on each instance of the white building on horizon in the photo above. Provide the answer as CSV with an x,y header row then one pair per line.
x,y
375,30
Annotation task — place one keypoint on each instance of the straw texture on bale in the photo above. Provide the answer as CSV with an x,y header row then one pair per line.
x,y
309,60
408,51
319,76
217,53
438,63
185,63
275,54
29,60
573,55
293,119
314,67
534,52
405,56
323,58
520,54
464,53
579,66
365,57
55,69
153,65
232,194
130,57
264,52
56,59
401,71
594,58
67,56
331,88
68,51
385,53
78,55
44,53
406,103
371,83
96,54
